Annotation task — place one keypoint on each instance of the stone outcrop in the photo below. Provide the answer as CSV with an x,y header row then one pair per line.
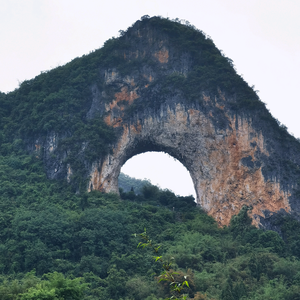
x,y
235,155
224,164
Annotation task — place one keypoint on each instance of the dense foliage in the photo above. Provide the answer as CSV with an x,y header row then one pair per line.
x,y
212,71
88,239
127,184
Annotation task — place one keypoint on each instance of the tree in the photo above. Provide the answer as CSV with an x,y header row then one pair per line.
x,y
241,223
168,275
57,287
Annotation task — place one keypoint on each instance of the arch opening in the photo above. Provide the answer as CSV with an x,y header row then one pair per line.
x,y
105,173
162,170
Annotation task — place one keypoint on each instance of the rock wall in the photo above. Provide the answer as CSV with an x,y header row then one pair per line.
x,y
224,164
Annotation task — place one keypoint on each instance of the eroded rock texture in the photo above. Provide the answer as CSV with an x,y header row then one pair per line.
x,y
158,99
225,164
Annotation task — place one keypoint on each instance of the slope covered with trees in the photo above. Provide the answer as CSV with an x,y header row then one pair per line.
x,y
88,239
127,183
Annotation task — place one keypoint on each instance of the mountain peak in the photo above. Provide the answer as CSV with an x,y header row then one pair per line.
x,y
160,86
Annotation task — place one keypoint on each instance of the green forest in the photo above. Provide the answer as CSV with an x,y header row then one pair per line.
x,y
58,242
127,184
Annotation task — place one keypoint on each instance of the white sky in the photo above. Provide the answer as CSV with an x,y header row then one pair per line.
x,y
262,37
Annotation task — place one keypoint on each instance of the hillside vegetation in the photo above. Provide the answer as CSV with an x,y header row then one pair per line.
x,y
127,184
88,240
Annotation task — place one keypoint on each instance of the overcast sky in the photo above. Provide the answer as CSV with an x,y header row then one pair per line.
x,y
262,37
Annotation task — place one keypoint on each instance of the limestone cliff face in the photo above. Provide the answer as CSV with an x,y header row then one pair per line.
x,y
224,164
166,97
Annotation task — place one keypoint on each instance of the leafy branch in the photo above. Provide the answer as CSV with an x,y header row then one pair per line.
x,y
167,274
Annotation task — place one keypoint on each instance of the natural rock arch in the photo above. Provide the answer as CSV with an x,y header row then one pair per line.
x,y
164,86
222,163
159,134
